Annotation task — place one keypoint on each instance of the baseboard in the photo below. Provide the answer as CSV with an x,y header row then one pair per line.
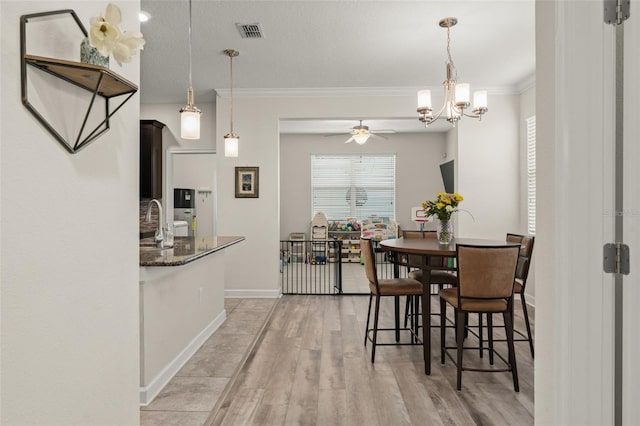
x,y
247,293
531,300
148,393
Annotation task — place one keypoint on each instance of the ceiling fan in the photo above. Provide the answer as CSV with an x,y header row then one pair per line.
x,y
361,134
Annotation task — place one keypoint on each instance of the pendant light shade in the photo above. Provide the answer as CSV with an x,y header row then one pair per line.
x,y
190,114
231,145
231,140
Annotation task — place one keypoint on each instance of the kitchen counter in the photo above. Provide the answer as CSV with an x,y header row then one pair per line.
x,y
185,250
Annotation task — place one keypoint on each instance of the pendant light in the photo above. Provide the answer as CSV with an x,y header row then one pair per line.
x,y
190,114
231,139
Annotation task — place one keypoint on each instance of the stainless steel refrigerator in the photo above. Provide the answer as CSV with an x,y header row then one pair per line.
x,y
184,207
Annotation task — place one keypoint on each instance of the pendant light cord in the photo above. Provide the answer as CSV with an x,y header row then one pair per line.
x,y
190,66
453,67
231,90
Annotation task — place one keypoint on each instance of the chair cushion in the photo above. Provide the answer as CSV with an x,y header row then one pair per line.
x,y
397,287
450,295
437,277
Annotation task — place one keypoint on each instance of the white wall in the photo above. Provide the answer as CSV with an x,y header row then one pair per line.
x,y
69,249
489,171
198,171
256,121
418,177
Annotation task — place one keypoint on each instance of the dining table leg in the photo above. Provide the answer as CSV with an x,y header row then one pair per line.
x,y
396,274
426,319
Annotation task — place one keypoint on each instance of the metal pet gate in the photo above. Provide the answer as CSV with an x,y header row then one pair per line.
x,y
315,267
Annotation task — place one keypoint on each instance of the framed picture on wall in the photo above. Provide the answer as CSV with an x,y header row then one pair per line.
x,y
247,182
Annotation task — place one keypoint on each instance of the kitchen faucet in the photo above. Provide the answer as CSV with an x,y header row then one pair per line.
x,y
159,236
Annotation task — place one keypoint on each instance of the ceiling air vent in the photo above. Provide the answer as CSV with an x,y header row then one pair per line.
x,y
250,30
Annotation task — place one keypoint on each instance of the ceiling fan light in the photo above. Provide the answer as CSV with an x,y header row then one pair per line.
x,y
361,138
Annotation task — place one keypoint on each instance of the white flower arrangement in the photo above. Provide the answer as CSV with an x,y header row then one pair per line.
x,y
106,36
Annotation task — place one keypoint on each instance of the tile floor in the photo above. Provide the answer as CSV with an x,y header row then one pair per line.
x,y
195,390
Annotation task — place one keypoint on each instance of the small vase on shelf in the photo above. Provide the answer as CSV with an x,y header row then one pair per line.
x,y
90,55
444,231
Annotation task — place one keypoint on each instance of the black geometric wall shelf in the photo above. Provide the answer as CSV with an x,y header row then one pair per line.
x,y
97,80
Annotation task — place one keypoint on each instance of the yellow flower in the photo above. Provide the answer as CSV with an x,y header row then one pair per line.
x,y
446,200
458,197
439,205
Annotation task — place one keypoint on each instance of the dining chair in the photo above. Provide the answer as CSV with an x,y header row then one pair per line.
x,y
439,278
486,278
522,273
384,287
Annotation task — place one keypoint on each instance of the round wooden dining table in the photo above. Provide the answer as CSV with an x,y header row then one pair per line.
x,y
428,247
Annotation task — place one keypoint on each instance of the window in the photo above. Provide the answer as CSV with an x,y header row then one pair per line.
x,y
531,175
360,186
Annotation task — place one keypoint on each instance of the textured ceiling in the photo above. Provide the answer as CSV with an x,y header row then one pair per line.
x,y
334,44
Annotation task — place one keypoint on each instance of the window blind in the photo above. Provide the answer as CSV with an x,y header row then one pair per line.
x,y
531,175
353,186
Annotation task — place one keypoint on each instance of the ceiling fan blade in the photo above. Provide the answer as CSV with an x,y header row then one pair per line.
x,y
373,135
349,140
383,131
336,134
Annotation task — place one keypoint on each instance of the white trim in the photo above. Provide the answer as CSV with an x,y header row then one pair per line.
x,y
324,92
148,393
249,293
526,84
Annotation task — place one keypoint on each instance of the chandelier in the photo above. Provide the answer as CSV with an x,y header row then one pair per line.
x,y
456,95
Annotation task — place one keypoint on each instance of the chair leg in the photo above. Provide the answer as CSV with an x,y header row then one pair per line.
x,y
490,335
375,329
366,329
396,301
512,353
460,315
415,318
526,322
480,334
407,311
443,328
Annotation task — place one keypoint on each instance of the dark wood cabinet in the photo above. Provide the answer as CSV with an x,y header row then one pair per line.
x,y
151,158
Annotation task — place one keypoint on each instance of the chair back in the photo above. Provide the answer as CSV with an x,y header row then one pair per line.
x,y
418,234
414,259
486,272
524,259
368,254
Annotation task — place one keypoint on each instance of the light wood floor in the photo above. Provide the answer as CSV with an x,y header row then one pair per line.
x,y
311,368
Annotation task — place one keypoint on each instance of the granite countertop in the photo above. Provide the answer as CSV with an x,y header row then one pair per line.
x,y
185,250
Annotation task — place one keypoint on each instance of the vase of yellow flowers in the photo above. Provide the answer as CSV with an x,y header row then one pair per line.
x,y
106,38
442,207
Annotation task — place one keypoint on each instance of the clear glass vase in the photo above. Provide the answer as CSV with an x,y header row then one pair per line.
x,y
444,231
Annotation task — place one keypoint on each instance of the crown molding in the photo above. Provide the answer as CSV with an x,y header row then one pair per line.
x,y
337,92
526,84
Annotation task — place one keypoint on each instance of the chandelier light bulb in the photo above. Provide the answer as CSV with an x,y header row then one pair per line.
x,y
480,101
424,99
462,95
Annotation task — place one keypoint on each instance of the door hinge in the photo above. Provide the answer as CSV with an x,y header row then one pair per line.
x,y
616,258
616,11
